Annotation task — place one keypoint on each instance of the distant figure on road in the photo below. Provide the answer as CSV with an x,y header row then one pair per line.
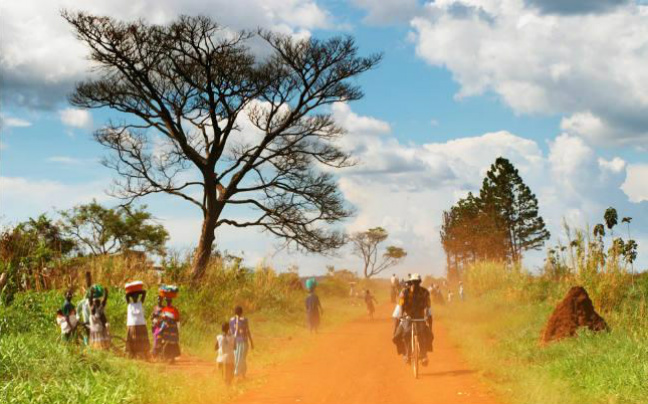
x,y
240,329
313,308
461,291
369,301
395,284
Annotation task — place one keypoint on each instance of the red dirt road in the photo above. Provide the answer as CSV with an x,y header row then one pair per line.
x,y
357,364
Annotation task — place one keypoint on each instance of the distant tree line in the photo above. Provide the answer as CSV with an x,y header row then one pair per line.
x,y
499,224
28,250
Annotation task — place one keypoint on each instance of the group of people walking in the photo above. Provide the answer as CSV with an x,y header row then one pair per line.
x,y
88,321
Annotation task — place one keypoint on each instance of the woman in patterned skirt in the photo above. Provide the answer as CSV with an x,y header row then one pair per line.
x,y
137,341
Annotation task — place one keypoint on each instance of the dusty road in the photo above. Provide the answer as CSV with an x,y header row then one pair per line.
x,y
357,364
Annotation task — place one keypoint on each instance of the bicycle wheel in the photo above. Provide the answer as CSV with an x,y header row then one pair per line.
x,y
415,353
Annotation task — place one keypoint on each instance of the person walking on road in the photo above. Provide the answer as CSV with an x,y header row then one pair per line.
x,y
225,346
313,307
369,301
137,341
240,329
394,288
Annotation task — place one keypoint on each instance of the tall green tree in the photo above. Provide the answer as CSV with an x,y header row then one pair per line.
x,y
515,207
102,230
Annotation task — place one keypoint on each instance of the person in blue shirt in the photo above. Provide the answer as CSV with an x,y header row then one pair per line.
x,y
313,309
240,329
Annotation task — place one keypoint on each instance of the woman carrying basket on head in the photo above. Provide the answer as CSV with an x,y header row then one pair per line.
x,y
137,342
168,339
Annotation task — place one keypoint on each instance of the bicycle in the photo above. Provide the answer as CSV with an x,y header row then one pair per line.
x,y
415,347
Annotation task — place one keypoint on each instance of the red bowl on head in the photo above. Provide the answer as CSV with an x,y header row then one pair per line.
x,y
136,286
168,294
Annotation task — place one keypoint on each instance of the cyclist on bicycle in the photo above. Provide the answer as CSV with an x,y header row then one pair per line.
x,y
414,303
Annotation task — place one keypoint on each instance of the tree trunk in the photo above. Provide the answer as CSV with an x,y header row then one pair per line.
x,y
203,252
213,209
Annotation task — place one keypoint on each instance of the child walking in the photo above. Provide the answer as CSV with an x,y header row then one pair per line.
x,y
66,318
369,301
156,321
225,343
240,329
99,333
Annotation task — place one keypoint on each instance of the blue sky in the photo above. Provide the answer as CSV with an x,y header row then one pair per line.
x,y
559,88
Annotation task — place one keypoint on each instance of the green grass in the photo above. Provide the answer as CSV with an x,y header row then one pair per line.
x,y
499,333
35,367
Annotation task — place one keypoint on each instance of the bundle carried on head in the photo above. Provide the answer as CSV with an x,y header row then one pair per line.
x,y
168,291
96,292
311,283
135,286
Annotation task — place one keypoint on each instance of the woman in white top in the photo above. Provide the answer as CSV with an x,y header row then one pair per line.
x,y
225,344
137,342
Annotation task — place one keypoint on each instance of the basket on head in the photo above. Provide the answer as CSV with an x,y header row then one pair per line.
x,y
311,283
168,291
96,292
135,286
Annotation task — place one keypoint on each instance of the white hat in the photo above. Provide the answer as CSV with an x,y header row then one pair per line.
x,y
415,277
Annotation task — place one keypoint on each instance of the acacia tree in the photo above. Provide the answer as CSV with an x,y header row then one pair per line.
x,y
102,230
366,246
218,126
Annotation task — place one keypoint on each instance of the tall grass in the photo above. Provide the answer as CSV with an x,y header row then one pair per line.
x,y
500,324
35,367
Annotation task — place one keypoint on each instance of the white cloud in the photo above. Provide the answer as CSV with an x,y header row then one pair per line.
x,y
21,197
405,188
587,66
40,59
575,6
356,124
387,11
67,160
13,122
76,118
635,185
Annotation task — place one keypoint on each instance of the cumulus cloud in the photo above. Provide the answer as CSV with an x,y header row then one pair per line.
x,y
388,11
405,187
588,67
575,6
635,185
24,197
40,60
76,118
